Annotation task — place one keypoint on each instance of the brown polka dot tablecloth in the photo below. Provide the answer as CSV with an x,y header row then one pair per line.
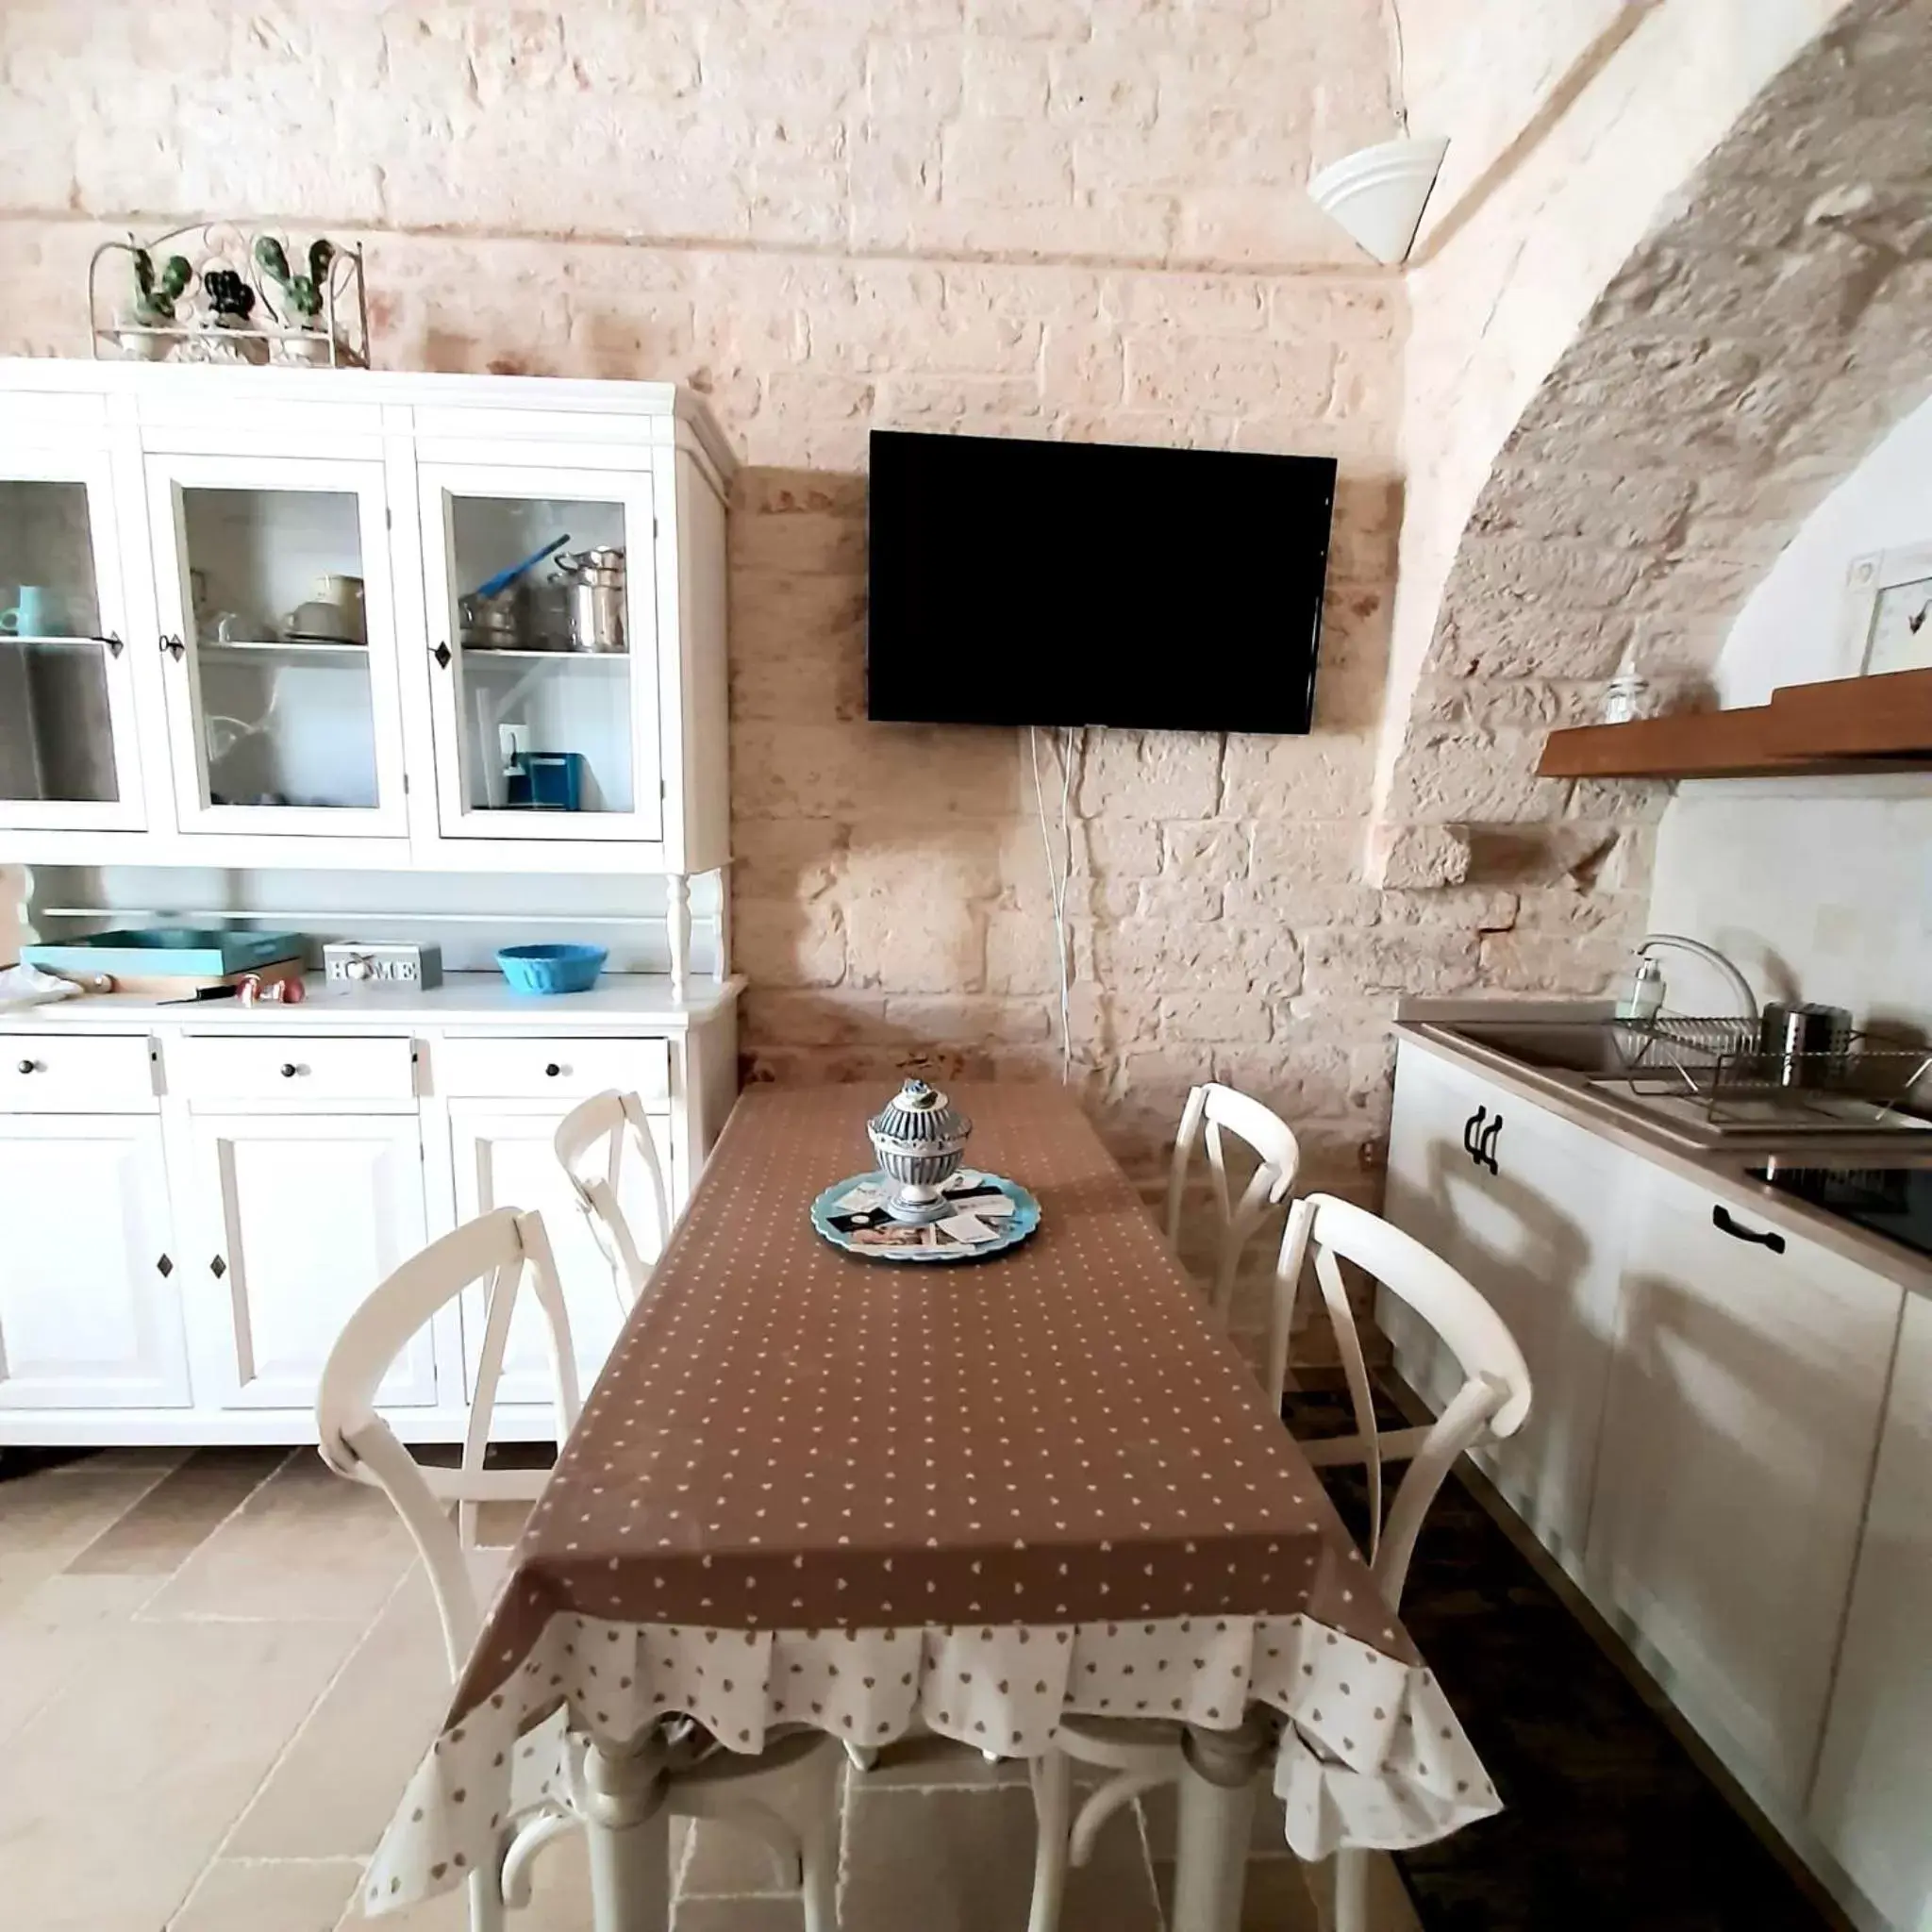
x,y
870,1496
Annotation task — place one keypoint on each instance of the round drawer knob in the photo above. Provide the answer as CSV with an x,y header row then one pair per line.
x,y
553,1070
290,1070
29,1066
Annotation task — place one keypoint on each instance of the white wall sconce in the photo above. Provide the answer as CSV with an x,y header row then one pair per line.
x,y
1379,194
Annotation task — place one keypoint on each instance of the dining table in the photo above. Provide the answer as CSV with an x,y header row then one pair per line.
x,y
877,1496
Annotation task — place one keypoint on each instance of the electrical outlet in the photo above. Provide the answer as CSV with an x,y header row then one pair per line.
x,y
514,741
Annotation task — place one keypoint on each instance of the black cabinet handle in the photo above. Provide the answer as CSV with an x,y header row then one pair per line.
x,y
174,648
1721,1218
113,644
441,655
553,1070
29,1067
218,1267
290,1070
164,1266
1479,1140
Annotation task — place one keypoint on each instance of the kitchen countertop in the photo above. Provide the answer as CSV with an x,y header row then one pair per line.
x,y
1723,1170
463,999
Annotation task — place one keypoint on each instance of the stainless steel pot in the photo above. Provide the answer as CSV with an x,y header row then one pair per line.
x,y
593,589
492,624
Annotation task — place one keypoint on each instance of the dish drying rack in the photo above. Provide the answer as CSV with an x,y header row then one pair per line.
x,y
1723,1064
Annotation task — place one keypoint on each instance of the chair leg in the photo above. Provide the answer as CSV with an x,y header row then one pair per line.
x,y
1052,1778
486,1903
1351,1891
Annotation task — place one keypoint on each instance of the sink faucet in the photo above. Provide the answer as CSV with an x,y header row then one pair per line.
x,y
1747,1000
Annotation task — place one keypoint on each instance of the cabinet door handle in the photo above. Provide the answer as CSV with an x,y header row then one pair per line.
x,y
1486,1144
113,644
1470,1128
1721,1218
28,1067
164,1266
553,1070
441,655
290,1070
218,1267
174,648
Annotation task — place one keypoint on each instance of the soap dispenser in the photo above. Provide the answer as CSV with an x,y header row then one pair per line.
x,y
1644,996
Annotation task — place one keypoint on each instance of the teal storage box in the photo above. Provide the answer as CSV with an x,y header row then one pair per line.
x,y
167,951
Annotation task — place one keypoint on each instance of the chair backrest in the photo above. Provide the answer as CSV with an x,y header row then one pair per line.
x,y
603,1126
1212,1110
356,1443
1491,1403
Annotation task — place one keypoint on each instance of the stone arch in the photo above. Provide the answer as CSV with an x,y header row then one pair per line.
x,y
1775,322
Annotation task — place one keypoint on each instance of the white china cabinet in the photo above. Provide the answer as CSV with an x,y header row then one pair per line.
x,y
247,619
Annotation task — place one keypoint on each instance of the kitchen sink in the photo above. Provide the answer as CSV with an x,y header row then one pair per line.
x,y
1686,1083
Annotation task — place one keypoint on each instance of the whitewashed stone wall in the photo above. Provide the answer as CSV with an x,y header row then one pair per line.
x,y
1069,218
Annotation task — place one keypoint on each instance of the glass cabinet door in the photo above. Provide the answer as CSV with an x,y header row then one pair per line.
x,y
67,737
278,645
546,682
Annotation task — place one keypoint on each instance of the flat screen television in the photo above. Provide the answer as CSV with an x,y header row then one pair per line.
x,y
1077,583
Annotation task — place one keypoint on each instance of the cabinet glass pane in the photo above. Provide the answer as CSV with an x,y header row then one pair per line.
x,y
55,734
542,664
283,705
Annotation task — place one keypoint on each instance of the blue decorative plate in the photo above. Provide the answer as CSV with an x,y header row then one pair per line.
x,y
852,1216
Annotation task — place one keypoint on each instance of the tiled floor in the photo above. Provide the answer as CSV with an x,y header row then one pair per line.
x,y
216,1670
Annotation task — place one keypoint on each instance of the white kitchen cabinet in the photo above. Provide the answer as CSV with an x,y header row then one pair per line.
x,y
504,1157
69,746
184,711
1871,1802
89,1316
299,1218
1538,1237
1736,1449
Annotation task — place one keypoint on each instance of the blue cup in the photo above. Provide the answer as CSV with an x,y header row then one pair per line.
x,y
41,612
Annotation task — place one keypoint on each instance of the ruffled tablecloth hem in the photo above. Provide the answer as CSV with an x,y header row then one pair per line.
x,y
1372,1755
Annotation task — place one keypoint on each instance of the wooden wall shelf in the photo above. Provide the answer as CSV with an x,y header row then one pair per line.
x,y
1847,725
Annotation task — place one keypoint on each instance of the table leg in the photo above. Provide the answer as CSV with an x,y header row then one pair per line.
x,y
629,1835
1351,1891
1217,1801
677,931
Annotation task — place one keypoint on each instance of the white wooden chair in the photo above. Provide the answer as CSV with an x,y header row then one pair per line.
x,y
613,1120
1212,1111
1491,1404
355,1441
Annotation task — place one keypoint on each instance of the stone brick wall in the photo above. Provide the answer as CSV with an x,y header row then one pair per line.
x,y
1064,217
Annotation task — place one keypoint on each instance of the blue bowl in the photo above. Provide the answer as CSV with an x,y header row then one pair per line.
x,y
551,969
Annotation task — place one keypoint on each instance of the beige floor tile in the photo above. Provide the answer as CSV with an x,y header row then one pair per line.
x,y
941,1762
741,1915
182,1510
55,1634
153,1751
1277,1897
725,1863
274,1896
962,1861
48,1518
308,1544
333,1792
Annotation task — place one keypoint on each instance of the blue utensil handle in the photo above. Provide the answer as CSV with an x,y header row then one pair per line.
x,y
503,578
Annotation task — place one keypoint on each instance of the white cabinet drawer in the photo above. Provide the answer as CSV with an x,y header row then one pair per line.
x,y
77,1072
543,1068
290,1067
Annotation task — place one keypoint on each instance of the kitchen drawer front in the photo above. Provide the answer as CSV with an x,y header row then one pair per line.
x,y
552,1068
76,1073
292,1067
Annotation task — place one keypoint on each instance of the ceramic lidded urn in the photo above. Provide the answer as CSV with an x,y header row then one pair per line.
x,y
920,1137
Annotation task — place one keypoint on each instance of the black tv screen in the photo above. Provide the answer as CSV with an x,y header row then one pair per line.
x,y
1078,583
